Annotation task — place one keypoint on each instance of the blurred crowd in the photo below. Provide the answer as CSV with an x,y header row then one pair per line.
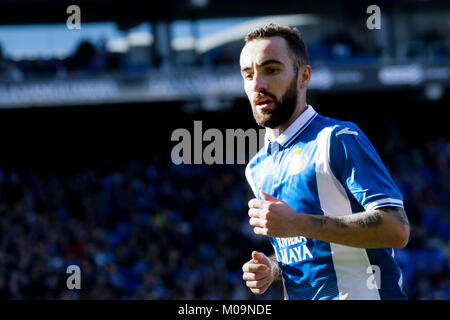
x,y
423,176
142,231
89,58
154,230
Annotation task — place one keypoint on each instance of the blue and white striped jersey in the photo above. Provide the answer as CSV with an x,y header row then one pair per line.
x,y
325,166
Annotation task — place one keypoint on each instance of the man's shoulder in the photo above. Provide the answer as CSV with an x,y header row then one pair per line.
x,y
327,122
337,127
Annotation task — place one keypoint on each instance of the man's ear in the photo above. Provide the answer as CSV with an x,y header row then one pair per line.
x,y
304,76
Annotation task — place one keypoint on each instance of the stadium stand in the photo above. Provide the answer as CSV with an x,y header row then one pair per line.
x,y
95,187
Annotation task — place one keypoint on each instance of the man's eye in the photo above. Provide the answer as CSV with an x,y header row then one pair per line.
x,y
271,70
248,76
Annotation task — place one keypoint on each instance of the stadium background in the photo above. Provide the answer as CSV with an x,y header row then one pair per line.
x,y
85,171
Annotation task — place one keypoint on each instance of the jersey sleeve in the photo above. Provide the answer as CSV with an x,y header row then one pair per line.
x,y
358,167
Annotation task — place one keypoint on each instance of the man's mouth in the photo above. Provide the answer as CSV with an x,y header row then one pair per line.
x,y
263,103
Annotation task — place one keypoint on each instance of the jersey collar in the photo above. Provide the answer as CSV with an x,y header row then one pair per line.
x,y
297,127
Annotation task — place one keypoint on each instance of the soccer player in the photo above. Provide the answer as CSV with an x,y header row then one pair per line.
x,y
323,196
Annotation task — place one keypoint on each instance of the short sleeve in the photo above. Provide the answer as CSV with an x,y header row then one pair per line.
x,y
358,167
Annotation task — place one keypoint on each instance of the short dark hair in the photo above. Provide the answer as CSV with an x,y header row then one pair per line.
x,y
291,35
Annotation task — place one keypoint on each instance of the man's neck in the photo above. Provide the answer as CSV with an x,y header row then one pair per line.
x,y
273,133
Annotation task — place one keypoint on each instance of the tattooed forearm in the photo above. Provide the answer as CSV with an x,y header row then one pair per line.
x,y
385,227
275,268
369,219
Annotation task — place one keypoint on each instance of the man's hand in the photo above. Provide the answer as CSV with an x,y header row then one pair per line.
x,y
258,273
272,217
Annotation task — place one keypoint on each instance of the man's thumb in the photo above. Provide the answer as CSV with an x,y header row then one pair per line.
x,y
257,256
267,197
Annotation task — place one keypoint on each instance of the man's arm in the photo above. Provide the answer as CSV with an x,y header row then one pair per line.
x,y
385,227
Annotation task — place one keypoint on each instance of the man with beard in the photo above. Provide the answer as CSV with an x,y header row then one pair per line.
x,y
323,196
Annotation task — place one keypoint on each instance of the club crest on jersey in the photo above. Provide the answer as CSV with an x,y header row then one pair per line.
x,y
297,163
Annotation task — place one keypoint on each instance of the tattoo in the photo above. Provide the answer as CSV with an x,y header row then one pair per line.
x,y
321,221
275,268
341,224
397,213
370,220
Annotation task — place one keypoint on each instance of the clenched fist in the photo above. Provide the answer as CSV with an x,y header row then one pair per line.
x,y
273,217
258,273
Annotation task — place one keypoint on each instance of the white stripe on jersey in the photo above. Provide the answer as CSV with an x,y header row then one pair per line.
x,y
384,202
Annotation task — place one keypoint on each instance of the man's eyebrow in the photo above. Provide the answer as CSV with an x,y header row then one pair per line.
x,y
270,61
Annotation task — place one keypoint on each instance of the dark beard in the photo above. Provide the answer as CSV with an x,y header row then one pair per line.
x,y
284,108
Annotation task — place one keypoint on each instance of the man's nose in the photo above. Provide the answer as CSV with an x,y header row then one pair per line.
x,y
259,83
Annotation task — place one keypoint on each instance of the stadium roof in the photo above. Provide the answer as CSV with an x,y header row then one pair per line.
x,y
238,32
131,12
